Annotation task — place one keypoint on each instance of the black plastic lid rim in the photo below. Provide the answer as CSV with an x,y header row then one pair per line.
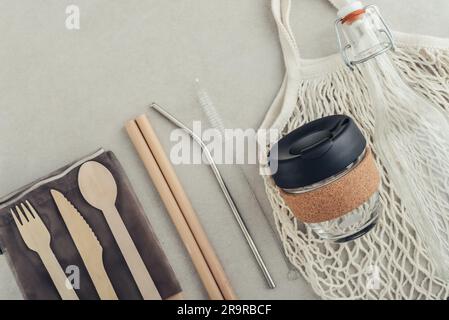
x,y
317,151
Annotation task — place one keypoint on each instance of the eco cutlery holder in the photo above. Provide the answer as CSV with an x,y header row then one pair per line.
x,y
328,177
31,275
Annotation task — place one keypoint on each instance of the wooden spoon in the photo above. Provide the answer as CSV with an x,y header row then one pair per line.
x,y
99,189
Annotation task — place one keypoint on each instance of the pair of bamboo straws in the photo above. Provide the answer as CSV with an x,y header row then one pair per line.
x,y
180,209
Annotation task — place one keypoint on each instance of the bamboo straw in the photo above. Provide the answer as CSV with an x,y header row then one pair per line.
x,y
174,211
186,207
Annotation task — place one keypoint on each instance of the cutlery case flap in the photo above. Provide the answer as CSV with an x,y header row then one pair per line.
x,y
31,275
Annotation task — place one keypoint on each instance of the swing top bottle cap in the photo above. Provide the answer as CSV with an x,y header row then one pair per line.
x,y
317,151
350,8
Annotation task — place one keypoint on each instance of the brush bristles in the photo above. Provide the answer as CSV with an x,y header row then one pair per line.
x,y
209,108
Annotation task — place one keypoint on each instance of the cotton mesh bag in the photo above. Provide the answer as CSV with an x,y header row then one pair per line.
x,y
391,261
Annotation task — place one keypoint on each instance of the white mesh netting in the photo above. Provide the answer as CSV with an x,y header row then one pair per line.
x,y
391,261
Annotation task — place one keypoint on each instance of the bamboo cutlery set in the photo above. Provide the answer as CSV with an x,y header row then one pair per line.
x,y
98,187
84,217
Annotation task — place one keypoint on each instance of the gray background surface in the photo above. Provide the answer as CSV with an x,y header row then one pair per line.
x,y
65,93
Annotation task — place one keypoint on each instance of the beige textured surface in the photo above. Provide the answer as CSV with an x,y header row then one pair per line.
x,y
64,93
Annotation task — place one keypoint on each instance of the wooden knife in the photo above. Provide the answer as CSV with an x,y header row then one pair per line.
x,y
87,244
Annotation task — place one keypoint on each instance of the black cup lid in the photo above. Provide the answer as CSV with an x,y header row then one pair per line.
x,y
316,151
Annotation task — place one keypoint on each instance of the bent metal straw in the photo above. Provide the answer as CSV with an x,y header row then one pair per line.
x,y
255,251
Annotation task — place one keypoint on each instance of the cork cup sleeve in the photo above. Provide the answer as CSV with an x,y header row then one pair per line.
x,y
339,197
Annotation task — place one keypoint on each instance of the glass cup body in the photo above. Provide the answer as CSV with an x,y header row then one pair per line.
x,y
351,225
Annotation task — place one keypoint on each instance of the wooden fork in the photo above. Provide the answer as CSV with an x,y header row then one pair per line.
x,y
37,238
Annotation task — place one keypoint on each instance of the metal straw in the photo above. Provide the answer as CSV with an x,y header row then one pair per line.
x,y
225,190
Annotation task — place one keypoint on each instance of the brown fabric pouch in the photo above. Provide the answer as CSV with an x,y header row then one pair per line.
x,y
32,277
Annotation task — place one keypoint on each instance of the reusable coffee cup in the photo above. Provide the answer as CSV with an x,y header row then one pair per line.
x,y
328,178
